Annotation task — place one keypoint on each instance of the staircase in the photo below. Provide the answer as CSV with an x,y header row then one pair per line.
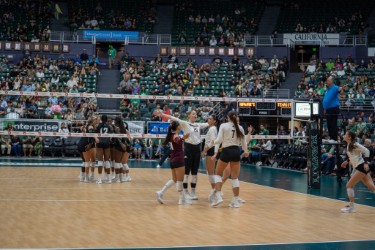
x,y
291,82
269,19
59,25
165,15
108,83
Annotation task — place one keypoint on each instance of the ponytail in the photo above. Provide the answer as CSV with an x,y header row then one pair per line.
x,y
171,130
233,117
351,145
168,139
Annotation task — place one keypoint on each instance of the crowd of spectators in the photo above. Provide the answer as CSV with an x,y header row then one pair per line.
x,y
357,77
216,29
126,17
242,78
38,73
354,23
25,20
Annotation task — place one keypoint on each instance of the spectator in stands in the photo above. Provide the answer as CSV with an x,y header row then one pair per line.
x,y
93,59
213,41
263,130
27,145
38,146
84,56
16,145
149,144
112,52
5,141
137,145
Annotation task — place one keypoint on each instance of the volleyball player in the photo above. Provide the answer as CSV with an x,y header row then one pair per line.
x,y
92,151
119,148
355,152
84,146
177,163
112,148
192,149
209,151
125,156
103,151
230,135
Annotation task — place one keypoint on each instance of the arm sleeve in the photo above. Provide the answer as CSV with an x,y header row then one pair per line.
x,y
220,136
182,123
363,150
203,125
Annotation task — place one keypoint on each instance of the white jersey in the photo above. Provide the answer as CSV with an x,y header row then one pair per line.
x,y
356,155
210,137
193,129
227,136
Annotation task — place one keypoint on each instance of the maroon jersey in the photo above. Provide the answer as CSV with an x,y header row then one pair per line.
x,y
177,150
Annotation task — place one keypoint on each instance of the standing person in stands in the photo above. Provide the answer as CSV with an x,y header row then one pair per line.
x,y
111,56
355,153
192,147
103,151
230,135
331,105
209,151
177,163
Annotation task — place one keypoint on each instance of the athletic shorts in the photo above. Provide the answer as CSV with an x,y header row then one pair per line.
x,y
102,145
177,164
361,168
211,151
230,154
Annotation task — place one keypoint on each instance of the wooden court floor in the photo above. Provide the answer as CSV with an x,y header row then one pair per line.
x,y
50,208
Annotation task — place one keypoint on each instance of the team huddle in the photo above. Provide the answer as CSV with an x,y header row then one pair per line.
x,y
112,153
186,154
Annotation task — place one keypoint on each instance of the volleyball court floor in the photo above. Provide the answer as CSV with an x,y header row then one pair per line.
x,y
43,205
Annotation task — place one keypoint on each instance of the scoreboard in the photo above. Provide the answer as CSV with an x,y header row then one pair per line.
x,y
278,108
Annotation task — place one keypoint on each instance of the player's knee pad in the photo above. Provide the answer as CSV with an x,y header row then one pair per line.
x,y
118,165
93,164
186,178
179,186
87,164
194,179
235,183
218,179
350,192
100,164
107,164
211,179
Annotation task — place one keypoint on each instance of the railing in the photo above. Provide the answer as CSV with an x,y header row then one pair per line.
x,y
276,94
249,40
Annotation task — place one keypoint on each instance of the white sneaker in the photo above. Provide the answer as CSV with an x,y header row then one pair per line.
x,y
113,176
126,179
92,178
235,203
184,201
348,209
217,201
159,197
240,200
99,181
105,178
87,180
109,181
117,180
82,178
158,166
211,197
193,196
